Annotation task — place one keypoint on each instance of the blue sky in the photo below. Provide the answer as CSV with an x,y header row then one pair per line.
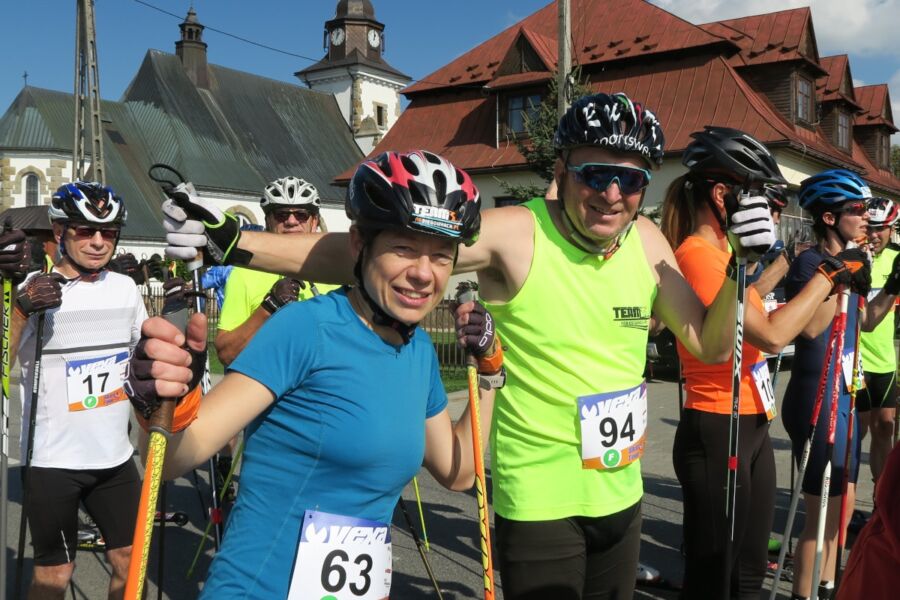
x,y
420,36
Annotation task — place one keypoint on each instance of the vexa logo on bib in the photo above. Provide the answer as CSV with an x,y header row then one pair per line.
x,y
343,530
632,317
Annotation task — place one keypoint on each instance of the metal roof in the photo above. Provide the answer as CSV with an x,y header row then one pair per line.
x,y
28,218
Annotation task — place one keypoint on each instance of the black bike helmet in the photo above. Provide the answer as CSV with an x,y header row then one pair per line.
x,y
613,122
418,191
728,155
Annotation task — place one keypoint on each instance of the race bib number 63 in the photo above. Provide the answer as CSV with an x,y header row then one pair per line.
x,y
341,558
613,427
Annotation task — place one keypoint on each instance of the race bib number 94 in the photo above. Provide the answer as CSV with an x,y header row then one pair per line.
x,y
341,558
95,382
613,427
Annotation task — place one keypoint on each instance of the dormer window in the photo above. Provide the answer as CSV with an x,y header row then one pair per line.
x,y
883,141
804,100
520,108
843,130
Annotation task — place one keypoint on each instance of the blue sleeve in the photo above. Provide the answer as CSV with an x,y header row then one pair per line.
x,y
437,396
802,270
281,354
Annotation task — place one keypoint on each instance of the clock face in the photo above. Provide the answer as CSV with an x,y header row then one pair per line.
x,y
374,38
337,36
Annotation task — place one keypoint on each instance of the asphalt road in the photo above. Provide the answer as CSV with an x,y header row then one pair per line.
x,y
451,521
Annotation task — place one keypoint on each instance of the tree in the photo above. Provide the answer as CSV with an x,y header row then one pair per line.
x,y
537,143
895,160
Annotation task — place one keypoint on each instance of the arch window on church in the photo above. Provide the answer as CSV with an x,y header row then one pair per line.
x,y
32,190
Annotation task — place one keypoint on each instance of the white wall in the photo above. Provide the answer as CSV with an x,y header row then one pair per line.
x,y
340,87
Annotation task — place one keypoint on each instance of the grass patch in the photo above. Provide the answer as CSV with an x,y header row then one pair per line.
x,y
454,381
215,366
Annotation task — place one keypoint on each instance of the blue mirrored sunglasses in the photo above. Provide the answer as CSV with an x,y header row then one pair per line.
x,y
599,176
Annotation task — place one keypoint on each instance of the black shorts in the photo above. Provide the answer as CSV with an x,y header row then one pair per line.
x,y
110,497
569,559
880,392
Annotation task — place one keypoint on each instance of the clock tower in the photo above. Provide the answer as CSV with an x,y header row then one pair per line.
x,y
365,86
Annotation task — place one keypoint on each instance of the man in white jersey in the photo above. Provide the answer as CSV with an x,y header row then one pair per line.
x,y
80,450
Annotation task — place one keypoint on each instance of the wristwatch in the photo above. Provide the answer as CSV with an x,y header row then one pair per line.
x,y
492,382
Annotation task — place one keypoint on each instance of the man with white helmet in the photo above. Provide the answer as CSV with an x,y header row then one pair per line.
x,y
81,453
877,401
291,206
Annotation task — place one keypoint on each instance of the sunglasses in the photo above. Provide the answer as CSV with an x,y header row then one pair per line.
x,y
283,215
855,209
85,231
599,176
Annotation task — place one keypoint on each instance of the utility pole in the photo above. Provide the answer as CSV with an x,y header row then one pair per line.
x,y
87,88
564,61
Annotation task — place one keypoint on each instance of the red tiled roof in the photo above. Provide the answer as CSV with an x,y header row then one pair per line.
x,y
639,29
768,38
874,100
828,88
686,94
519,79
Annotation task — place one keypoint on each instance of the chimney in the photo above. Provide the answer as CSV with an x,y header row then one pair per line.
x,y
192,50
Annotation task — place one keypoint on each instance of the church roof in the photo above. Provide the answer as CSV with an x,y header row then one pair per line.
x,y
354,58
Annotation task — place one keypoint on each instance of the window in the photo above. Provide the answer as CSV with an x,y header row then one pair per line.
x,y
804,100
843,130
521,108
32,196
885,162
381,116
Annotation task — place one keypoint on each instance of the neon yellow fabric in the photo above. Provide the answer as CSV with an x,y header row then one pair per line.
x,y
577,327
877,347
245,291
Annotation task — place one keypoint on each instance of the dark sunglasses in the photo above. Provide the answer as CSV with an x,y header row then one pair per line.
x,y
599,176
855,209
283,215
85,231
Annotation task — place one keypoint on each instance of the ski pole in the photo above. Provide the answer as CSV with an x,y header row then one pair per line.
x,y
160,565
734,422
421,513
412,530
29,448
234,462
4,421
465,292
797,484
848,455
829,444
160,426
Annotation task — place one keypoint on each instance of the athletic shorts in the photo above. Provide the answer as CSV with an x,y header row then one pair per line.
x,y
880,392
110,497
569,559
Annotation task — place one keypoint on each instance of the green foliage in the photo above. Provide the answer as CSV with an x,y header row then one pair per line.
x,y
537,143
895,160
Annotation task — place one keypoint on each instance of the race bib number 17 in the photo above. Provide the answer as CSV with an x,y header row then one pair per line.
x,y
613,427
341,558
95,382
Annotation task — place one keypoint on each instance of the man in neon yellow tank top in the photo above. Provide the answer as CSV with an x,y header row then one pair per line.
x,y
291,206
576,282
877,402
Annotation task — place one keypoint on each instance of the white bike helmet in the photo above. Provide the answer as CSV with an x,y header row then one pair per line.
x,y
290,191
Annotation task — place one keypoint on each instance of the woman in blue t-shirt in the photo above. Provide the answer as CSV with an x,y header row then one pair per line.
x,y
340,396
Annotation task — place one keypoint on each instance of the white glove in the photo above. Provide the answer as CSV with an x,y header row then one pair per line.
x,y
751,231
192,223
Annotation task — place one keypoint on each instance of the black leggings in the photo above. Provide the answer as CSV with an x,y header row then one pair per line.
x,y
570,559
700,457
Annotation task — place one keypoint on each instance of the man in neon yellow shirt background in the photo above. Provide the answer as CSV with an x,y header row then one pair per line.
x,y
876,403
291,206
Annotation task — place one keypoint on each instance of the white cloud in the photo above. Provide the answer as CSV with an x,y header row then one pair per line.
x,y
858,82
859,27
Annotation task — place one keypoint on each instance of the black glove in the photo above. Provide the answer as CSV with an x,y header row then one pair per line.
x,y
141,386
41,292
15,255
175,295
127,264
477,336
192,223
283,292
850,268
773,253
892,285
